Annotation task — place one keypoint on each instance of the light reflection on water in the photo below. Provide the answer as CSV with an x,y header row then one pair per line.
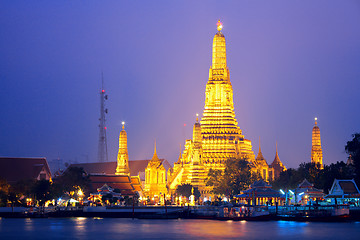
x,y
289,228
114,228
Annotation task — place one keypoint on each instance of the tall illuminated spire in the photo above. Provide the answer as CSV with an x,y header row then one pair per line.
x,y
221,135
123,156
316,150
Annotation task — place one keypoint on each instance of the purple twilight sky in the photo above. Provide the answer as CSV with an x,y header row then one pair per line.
x,y
289,61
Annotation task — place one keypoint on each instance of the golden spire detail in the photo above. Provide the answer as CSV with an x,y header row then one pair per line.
x,y
123,125
259,145
219,25
155,156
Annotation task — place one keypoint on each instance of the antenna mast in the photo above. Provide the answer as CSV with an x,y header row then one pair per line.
x,y
102,149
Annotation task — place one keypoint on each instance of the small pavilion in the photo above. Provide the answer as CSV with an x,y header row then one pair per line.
x,y
260,193
343,192
306,192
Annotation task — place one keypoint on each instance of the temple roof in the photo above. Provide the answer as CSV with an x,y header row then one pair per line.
x,y
155,156
259,192
260,184
136,167
15,169
121,182
305,184
260,158
277,162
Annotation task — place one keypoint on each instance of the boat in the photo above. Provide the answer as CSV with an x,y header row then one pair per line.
x,y
310,213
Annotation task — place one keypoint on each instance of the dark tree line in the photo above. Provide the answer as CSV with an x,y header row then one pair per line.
x,y
43,190
321,178
353,148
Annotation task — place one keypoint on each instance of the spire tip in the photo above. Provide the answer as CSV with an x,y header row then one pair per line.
x,y
219,25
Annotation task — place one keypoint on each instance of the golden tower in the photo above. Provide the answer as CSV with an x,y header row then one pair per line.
x,y
262,166
123,156
316,151
217,137
221,136
155,177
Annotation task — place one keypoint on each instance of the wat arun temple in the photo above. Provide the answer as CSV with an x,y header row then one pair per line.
x,y
216,138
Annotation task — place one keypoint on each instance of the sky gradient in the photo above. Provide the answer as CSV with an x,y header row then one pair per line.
x,y
289,61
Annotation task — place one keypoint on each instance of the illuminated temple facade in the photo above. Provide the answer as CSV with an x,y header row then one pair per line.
x,y
155,177
316,150
217,137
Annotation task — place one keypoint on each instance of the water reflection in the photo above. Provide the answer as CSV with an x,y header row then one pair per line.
x,y
290,227
112,228
29,224
80,223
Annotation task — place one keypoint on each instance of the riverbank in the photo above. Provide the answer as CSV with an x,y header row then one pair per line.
x,y
194,212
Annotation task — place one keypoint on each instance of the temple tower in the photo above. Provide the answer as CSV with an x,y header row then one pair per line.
x,y
155,177
221,136
316,151
277,165
262,166
123,156
196,170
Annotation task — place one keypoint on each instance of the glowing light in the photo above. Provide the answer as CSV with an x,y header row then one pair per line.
x,y
123,123
103,90
316,119
282,192
197,114
301,193
80,192
219,26
105,128
291,192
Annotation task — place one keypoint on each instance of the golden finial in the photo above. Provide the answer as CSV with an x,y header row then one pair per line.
x,y
155,147
197,117
259,145
316,121
123,125
219,25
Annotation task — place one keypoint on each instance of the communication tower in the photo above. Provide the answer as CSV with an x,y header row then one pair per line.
x,y
102,149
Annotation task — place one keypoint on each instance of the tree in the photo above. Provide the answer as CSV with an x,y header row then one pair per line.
x,y
4,190
236,177
185,190
321,178
73,179
42,191
353,147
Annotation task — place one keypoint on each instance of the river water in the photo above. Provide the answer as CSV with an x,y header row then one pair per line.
x,y
123,228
